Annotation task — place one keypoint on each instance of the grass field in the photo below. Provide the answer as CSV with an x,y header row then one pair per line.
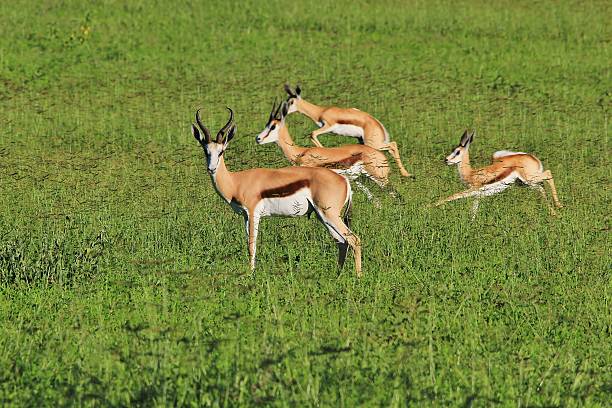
x,y
124,278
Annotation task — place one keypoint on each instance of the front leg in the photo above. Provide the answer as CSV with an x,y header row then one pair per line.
x,y
475,206
464,194
252,227
326,128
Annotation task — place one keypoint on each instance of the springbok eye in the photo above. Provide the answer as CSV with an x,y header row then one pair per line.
x,y
273,127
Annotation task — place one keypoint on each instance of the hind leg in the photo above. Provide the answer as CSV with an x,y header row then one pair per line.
x,y
539,188
553,190
343,235
391,147
548,177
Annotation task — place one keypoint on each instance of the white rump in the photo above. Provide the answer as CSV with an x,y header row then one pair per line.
x,y
503,153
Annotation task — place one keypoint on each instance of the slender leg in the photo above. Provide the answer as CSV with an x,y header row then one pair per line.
x,y
456,196
543,193
252,230
393,149
315,134
343,235
548,177
475,206
335,227
553,190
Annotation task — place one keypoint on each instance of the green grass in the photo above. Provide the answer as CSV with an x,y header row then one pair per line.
x,y
124,278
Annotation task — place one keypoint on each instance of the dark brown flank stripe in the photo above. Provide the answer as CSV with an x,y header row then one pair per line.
x,y
346,163
286,190
346,122
507,171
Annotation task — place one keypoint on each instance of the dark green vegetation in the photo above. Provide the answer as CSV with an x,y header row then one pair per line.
x,y
124,278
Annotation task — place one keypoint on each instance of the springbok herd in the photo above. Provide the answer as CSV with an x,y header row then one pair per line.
x,y
319,180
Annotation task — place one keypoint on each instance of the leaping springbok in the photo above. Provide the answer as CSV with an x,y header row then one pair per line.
x,y
350,160
507,167
346,122
289,191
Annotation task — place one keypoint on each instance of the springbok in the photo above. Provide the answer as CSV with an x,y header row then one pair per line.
x,y
289,191
507,167
350,160
346,122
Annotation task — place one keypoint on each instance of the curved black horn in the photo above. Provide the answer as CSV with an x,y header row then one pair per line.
x,y
272,111
222,131
202,127
278,109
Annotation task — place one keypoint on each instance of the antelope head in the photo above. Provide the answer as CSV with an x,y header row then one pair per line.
x,y
293,98
458,152
213,149
276,120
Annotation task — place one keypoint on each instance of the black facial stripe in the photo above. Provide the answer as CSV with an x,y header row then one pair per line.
x,y
267,134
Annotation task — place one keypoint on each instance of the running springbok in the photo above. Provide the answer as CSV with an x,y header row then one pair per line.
x,y
507,167
346,122
349,160
289,191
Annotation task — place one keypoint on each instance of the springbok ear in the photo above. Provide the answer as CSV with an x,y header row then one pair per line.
x,y
471,138
230,134
464,138
196,133
288,90
284,110
298,90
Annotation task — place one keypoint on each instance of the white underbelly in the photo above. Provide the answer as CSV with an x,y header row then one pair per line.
x,y
291,206
352,172
499,186
347,130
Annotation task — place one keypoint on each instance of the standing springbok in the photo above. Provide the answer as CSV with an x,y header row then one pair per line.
x,y
289,191
350,160
346,122
507,167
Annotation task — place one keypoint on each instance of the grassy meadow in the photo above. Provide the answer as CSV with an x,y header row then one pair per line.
x,y
124,278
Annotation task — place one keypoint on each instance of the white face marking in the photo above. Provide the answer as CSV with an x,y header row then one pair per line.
x,y
213,154
292,103
455,157
270,134
347,130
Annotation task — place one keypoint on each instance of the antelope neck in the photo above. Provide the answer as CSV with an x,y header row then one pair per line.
x,y
223,181
309,109
289,148
465,169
